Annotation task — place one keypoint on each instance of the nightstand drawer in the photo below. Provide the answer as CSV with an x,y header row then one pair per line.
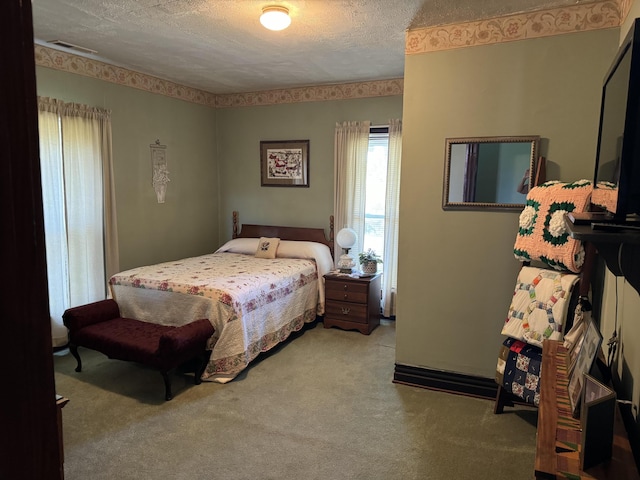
x,y
352,303
347,292
348,311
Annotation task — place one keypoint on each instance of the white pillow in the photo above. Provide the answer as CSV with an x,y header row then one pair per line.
x,y
240,245
312,250
286,249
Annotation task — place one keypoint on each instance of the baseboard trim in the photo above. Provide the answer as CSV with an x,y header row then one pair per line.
x,y
451,382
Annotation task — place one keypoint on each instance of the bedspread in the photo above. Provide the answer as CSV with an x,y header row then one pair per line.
x,y
252,303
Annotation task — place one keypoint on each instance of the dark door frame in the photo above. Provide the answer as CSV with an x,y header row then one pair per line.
x,y
29,441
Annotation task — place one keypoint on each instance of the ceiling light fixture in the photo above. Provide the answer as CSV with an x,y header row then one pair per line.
x,y
275,17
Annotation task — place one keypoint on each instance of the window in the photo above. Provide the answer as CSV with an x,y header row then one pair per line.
x,y
367,193
75,164
376,187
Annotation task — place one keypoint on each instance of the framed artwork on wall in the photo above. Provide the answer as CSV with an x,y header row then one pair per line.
x,y
284,163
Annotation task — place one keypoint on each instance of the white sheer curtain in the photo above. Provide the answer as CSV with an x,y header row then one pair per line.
x,y
350,170
351,148
79,206
392,204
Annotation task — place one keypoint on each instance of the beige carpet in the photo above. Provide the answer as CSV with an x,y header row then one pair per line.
x,y
322,406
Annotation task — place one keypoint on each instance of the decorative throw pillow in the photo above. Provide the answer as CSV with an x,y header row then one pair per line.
x,y
539,306
542,233
267,247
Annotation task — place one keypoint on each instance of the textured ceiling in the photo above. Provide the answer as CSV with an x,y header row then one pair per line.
x,y
219,45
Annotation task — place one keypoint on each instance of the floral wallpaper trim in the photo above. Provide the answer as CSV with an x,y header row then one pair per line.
x,y
68,62
544,23
317,93
625,8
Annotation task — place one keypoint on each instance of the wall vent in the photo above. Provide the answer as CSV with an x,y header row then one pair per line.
x,y
71,46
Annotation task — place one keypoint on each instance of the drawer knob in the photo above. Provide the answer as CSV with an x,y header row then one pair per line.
x,y
345,286
345,310
346,295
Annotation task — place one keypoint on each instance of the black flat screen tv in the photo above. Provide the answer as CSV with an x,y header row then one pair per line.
x,y
617,172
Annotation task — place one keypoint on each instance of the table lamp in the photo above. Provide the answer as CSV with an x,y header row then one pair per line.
x,y
346,238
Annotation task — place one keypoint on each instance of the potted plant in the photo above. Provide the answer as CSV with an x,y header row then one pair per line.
x,y
369,261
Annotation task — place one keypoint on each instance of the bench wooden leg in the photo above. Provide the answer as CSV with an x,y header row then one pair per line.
x,y
201,365
74,351
167,386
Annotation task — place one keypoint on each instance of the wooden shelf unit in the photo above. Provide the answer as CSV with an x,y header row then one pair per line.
x,y
620,250
558,459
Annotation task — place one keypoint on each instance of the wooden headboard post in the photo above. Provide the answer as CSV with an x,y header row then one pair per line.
x,y
331,237
285,233
235,224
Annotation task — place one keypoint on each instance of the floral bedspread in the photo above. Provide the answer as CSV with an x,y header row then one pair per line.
x,y
253,303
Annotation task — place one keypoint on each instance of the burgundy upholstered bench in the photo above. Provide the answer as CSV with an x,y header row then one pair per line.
x,y
98,326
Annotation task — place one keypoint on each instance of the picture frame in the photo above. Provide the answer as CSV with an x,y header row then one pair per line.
x,y
597,412
584,359
284,163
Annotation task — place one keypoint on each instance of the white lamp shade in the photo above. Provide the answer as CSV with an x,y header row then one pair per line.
x,y
275,18
347,238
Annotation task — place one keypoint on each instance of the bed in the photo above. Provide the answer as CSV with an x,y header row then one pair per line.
x,y
253,303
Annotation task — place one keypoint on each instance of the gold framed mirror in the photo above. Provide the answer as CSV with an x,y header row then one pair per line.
x,y
489,173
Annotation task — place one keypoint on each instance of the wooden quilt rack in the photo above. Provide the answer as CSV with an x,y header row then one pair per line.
x,y
558,442
507,399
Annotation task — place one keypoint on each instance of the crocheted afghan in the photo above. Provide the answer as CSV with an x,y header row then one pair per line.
x,y
542,233
606,196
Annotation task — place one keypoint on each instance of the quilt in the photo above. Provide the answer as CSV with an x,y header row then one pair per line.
x,y
539,305
253,303
519,368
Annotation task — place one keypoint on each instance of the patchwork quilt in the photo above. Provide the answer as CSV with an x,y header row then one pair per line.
x,y
542,234
539,305
519,368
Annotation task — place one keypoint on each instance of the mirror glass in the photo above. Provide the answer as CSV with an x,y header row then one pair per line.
x,y
488,172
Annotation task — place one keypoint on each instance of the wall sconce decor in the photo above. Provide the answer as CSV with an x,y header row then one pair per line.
x,y
160,171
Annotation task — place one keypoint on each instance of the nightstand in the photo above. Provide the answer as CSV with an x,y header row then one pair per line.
x,y
352,303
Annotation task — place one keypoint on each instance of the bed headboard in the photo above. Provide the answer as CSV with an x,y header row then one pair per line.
x,y
285,233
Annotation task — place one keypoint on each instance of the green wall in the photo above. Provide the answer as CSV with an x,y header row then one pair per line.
x,y
239,132
213,158
187,223
456,268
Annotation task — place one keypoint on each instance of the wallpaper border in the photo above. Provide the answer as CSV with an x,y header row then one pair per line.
x,y
69,62
509,28
88,67
344,91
